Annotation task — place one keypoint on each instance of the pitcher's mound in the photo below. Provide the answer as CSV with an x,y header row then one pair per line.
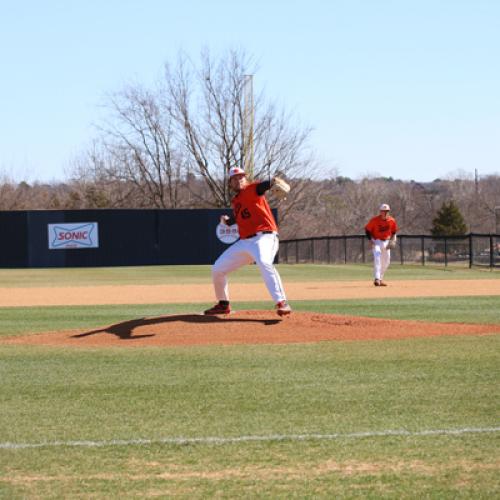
x,y
249,327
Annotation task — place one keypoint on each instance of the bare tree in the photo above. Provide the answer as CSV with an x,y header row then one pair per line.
x,y
8,196
173,146
326,207
477,200
207,106
489,194
135,150
98,175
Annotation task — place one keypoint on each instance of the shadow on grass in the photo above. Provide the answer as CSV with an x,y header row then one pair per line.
x,y
124,330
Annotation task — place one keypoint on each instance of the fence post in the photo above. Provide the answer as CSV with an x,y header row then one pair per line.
x,y
345,249
312,250
328,250
296,252
471,251
492,255
445,252
401,250
422,247
363,251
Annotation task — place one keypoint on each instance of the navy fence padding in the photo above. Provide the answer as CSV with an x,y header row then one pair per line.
x,y
14,236
126,238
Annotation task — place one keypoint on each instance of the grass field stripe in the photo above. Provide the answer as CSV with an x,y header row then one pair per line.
x,y
246,439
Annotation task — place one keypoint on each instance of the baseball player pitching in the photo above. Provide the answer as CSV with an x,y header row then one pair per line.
x,y
381,231
258,241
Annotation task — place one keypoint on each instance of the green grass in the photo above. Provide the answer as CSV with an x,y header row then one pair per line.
x,y
483,309
337,387
433,467
162,275
226,391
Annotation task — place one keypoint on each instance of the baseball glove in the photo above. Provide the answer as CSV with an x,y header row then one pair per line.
x,y
392,242
279,188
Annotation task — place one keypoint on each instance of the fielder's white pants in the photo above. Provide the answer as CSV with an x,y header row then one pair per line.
x,y
381,258
260,249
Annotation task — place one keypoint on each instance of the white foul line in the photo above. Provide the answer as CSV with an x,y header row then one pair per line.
x,y
246,439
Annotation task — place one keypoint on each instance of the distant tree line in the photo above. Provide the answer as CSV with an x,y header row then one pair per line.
x,y
325,207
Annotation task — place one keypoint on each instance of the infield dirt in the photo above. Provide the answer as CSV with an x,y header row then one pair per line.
x,y
198,293
244,327
248,327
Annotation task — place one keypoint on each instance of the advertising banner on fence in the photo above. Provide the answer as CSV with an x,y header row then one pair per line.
x,y
73,236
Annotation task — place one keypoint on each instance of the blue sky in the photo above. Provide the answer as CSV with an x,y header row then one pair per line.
x,y
401,88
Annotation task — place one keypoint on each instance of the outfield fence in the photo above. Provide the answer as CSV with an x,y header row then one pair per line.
x,y
467,251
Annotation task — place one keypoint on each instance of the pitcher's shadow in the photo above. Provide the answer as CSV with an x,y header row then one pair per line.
x,y
124,330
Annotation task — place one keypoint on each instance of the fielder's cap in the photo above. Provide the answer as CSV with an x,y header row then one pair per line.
x,y
384,207
236,171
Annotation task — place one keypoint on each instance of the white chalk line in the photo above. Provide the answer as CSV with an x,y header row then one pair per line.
x,y
247,439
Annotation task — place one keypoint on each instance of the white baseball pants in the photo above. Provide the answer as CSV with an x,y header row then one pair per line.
x,y
260,249
381,258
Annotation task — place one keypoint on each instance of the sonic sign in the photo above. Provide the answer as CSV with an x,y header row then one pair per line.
x,y
72,236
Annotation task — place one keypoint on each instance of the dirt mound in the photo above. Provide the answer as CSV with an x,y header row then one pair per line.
x,y
248,327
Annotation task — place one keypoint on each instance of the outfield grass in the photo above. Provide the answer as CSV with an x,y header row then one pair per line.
x,y
163,275
99,395
63,409
437,467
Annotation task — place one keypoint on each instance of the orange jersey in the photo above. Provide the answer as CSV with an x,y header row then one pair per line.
x,y
252,212
381,229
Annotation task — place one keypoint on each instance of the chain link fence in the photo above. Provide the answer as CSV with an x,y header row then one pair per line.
x,y
467,251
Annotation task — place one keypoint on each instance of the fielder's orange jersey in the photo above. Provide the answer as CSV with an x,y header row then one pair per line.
x,y
381,229
252,212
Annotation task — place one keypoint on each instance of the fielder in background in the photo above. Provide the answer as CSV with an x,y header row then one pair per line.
x,y
381,231
258,241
